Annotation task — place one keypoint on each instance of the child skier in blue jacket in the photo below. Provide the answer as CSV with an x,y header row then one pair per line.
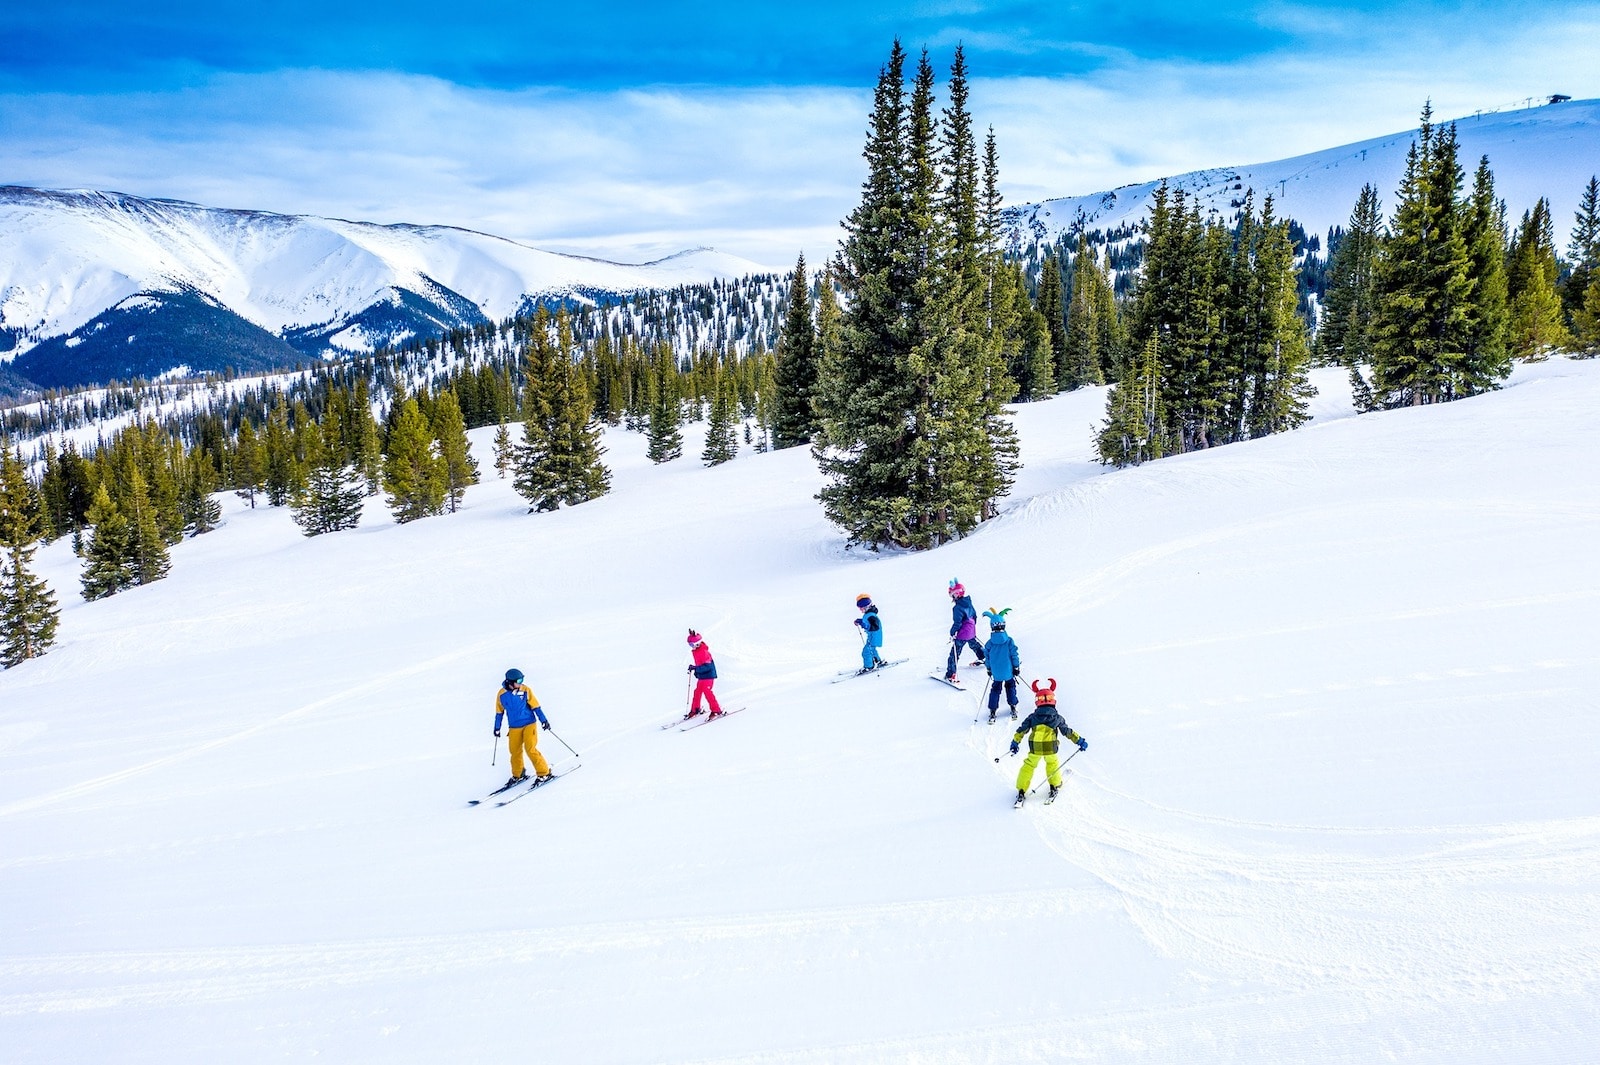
x,y
872,628
1003,661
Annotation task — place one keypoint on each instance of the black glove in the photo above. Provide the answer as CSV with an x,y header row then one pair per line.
x,y
1083,744
691,669
497,733
1014,747
547,726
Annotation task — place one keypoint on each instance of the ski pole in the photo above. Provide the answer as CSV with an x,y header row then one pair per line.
x,y
494,747
563,743
1060,767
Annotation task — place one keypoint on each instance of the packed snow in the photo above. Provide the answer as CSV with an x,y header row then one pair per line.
x,y
1338,804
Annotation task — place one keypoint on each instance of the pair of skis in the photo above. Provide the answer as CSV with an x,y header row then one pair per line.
x,y
533,784
852,674
686,724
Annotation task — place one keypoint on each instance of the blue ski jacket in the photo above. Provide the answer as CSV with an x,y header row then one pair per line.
x,y
872,626
518,706
1001,656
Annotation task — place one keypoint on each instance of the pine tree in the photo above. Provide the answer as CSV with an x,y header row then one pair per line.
x,y
332,498
1051,303
148,547
1584,252
459,468
248,473
1423,309
665,443
108,553
1536,327
794,416
504,452
721,443
413,476
364,441
201,513
281,473
1090,340
1344,336
1135,428
1280,393
1488,353
579,473
28,612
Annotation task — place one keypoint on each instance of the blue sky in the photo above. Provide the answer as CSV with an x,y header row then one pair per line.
x,y
634,129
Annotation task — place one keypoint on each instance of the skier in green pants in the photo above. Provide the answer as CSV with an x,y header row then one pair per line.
x,y
1042,728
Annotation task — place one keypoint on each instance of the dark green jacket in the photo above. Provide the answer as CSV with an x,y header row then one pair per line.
x,y
1042,726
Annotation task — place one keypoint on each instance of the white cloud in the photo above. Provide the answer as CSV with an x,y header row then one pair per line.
x,y
759,172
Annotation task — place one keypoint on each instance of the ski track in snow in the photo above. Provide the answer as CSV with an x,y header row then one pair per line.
x,y
1337,805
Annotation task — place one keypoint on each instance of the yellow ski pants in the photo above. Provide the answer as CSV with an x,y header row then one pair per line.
x,y
1052,770
527,739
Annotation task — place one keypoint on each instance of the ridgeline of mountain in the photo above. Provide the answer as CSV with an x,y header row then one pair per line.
x,y
1549,151
102,285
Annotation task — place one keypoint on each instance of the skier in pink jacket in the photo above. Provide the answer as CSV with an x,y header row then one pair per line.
x,y
705,672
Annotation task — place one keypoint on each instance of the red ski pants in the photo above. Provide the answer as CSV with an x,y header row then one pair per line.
x,y
703,689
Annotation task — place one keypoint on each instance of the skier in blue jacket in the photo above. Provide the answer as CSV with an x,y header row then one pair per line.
x,y
872,631
1003,661
515,706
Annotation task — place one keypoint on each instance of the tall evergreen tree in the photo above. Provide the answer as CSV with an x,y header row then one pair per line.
x,y
108,554
1488,353
1090,340
281,474
665,413
1583,251
1136,425
1536,327
722,444
148,547
1344,335
794,416
1423,311
504,451
459,468
248,473
1051,303
201,513
28,612
332,498
413,476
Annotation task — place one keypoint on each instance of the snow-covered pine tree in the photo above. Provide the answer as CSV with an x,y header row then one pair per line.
x,y
1537,326
413,476
576,451
28,612
794,414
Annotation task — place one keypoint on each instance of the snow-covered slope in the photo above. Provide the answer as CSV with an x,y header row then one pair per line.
x,y
65,257
1548,151
1338,803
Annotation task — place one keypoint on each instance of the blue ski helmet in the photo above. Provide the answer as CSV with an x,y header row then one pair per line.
x,y
513,676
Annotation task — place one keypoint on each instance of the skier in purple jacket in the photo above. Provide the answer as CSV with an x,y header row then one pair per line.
x,y
963,628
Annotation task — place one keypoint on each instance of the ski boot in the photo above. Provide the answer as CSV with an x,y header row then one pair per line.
x,y
1055,789
541,780
1013,713
693,713
1022,797
991,717
715,714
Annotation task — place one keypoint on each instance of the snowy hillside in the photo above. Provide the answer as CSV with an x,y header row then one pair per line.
x,y
67,257
1549,151
1338,803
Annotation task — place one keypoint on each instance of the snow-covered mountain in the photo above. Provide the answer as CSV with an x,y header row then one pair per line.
x,y
101,284
1338,804
1548,151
